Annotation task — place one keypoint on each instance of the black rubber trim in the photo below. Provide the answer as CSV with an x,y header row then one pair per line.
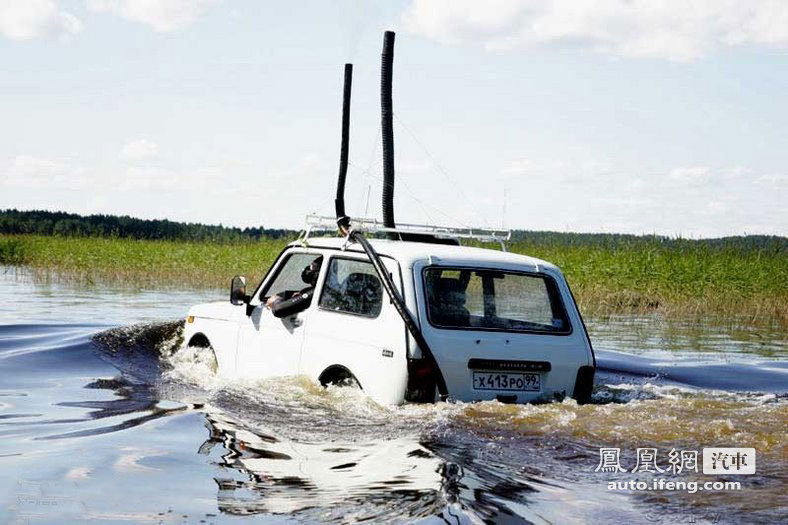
x,y
582,323
506,365
584,384
546,277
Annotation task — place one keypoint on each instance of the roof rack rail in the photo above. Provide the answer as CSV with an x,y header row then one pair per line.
x,y
324,223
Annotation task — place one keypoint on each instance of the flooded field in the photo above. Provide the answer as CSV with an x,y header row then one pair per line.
x,y
100,420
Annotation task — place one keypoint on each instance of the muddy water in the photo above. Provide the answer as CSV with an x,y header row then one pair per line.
x,y
100,420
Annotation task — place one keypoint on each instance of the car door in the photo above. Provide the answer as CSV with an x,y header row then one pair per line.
x,y
269,346
354,326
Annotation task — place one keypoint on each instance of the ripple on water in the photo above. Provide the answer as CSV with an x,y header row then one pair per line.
x,y
289,446
626,415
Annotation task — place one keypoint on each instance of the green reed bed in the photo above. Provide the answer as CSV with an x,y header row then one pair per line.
x,y
685,279
138,263
678,278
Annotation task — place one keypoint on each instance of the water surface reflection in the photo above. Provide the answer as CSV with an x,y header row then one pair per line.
x,y
112,426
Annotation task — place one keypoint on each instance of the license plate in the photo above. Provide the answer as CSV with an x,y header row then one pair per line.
x,y
507,381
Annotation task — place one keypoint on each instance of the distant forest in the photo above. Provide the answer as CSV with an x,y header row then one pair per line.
x,y
744,243
73,225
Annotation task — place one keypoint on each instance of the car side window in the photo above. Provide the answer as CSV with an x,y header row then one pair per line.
x,y
352,286
288,276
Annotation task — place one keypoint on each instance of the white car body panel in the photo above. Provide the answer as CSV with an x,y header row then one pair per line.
x,y
219,322
376,350
268,346
365,346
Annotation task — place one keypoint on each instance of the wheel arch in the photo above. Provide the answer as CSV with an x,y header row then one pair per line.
x,y
200,340
335,374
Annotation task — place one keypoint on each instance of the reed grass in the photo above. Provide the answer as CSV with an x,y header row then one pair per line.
x,y
138,263
687,280
679,279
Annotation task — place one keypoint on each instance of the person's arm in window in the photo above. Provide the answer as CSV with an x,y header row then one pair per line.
x,y
281,296
298,302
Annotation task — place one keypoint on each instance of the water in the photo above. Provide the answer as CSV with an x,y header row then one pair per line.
x,y
100,420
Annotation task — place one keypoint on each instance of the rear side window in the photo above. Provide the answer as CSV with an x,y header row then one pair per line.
x,y
352,286
482,299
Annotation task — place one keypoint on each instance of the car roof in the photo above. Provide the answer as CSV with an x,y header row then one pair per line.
x,y
408,253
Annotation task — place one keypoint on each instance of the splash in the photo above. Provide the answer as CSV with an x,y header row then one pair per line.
x,y
504,450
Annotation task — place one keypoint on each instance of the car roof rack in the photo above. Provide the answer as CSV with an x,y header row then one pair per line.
x,y
316,223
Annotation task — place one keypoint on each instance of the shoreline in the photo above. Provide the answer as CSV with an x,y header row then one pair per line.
x,y
728,285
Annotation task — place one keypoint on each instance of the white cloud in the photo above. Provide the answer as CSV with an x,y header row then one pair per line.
x,y
201,178
698,176
151,178
692,176
693,200
714,208
139,149
774,180
556,170
28,19
162,15
27,171
669,29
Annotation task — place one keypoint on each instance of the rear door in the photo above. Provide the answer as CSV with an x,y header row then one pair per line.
x,y
500,333
355,326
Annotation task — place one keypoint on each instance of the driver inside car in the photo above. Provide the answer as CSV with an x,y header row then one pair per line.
x,y
291,302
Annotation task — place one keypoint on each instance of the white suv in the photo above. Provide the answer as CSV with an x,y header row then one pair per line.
x,y
498,325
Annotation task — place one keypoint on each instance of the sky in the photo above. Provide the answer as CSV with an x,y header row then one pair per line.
x,y
590,116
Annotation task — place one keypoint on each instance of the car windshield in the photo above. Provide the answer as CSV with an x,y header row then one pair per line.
x,y
484,299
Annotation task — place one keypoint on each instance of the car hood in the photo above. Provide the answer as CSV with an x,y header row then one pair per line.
x,y
222,310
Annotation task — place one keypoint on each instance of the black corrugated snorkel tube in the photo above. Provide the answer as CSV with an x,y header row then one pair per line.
x,y
343,221
339,202
387,130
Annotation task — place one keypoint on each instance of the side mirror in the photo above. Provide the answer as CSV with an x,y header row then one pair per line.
x,y
238,291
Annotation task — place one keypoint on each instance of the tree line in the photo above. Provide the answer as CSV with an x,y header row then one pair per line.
x,y
743,243
63,224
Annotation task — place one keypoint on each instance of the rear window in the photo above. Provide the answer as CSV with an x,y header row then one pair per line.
x,y
484,299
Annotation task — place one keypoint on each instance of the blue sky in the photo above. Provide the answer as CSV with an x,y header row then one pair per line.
x,y
595,115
